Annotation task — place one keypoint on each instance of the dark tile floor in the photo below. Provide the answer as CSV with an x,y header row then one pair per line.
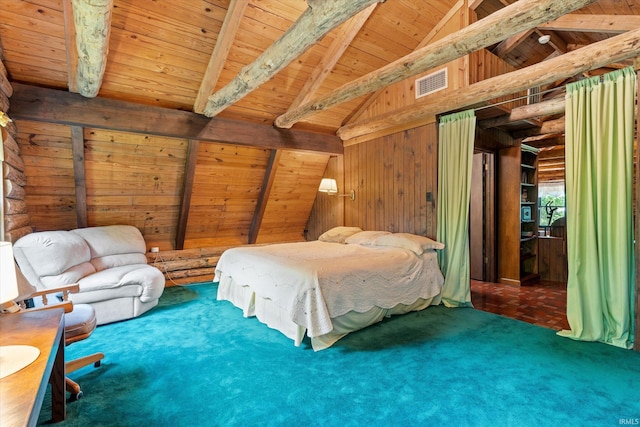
x,y
542,304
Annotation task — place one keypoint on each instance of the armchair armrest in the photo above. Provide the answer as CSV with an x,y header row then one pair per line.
x,y
65,303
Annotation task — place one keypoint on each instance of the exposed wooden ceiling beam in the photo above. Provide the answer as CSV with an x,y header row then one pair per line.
x,y
218,58
315,22
498,26
70,44
265,190
92,20
506,46
187,192
548,140
342,41
596,55
55,106
555,126
587,23
545,108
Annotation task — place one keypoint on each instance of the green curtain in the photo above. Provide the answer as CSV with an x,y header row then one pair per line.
x,y
455,157
599,181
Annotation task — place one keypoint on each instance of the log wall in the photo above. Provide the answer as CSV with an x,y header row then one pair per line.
x,y
16,222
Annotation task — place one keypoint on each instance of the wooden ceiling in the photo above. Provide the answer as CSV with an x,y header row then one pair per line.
x,y
175,54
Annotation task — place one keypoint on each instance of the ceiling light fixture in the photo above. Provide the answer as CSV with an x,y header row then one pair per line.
x,y
544,39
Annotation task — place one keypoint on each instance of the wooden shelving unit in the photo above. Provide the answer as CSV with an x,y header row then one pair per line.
x,y
518,215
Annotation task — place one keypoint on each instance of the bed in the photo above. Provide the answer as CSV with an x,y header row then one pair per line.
x,y
344,281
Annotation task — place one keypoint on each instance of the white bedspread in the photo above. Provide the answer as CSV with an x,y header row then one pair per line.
x,y
314,281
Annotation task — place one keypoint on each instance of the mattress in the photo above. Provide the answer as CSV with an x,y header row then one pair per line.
x,y
326,289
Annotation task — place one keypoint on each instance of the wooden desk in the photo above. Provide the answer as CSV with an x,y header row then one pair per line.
x,y
22,393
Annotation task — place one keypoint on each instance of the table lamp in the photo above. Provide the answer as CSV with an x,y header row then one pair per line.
x,y
12,357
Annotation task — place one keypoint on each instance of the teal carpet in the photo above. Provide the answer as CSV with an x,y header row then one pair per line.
x,y
195,361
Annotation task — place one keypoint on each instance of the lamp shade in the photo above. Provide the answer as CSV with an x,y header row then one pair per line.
x,y
328,185
8,281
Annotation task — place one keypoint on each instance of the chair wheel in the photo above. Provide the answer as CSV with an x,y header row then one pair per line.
x,y
97,364
77,396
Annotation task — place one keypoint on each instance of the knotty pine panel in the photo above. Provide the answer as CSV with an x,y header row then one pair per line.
x,y
402,94
135,179
227,184
391,176
484,65
328,210
36,28
292,196
50,189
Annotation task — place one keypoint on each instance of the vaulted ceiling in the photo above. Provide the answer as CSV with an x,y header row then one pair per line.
x,y
182,54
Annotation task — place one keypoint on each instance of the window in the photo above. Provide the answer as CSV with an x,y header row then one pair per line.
x,y
551,199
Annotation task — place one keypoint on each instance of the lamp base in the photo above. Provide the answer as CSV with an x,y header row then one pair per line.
x,y
15,357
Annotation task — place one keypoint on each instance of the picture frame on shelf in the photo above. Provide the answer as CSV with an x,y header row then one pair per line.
x,y
525,213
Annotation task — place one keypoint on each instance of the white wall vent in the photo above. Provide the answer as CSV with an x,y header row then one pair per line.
x,y
431,83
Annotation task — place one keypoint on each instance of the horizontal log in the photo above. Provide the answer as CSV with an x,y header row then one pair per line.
x,y
13,206
197,272
4,102
545,108
12,190
186,264
14,235
596,55
314,23
92,21
494,28
16,221
13,159
9,129
5,85
188,280
10,143
14,175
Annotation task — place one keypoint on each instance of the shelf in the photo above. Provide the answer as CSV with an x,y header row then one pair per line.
x,y
527,203
527,184
527,239
526,166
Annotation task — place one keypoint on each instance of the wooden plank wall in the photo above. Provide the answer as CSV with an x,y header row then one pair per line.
x,y
229,179
47,154
392,176
328,210
134,179
139,180
484,65
294,191
402,94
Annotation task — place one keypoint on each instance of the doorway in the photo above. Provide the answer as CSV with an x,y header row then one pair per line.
x,y
482,218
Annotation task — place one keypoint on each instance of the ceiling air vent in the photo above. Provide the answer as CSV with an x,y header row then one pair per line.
x,y
431,83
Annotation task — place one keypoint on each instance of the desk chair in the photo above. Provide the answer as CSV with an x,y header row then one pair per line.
x,y
79,322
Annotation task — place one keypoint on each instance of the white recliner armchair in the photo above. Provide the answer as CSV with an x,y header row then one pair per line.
x,y
108,263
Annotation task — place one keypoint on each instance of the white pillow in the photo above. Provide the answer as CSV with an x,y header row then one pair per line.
x,y
365,238
338,234
412,242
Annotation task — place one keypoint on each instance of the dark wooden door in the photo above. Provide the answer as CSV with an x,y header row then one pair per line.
x,y
482,219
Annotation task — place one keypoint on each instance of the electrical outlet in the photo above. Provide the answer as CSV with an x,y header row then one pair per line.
x,y
155,249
